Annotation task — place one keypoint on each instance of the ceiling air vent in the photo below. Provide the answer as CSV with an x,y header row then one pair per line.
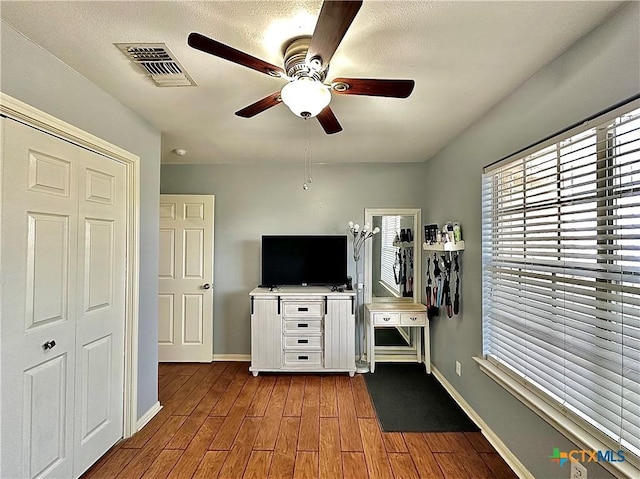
x,y
157,61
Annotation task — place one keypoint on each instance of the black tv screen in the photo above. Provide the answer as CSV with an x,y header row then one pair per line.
x,y
304,260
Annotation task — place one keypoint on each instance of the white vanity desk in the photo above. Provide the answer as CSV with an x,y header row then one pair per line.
x,y
412,315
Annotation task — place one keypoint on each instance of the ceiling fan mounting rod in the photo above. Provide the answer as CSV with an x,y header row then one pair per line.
x,y
295,63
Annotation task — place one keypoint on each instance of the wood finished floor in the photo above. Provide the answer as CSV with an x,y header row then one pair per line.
x,y
218,421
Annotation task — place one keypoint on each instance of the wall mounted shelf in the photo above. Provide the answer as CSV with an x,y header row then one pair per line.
x,y
459,246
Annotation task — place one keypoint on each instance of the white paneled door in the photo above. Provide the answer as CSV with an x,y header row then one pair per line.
x,y
185,301
63,304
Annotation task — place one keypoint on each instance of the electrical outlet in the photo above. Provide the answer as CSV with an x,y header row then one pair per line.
x,y
459,370
578,471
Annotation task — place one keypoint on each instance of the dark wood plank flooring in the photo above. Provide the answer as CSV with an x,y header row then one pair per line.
x,y
218,421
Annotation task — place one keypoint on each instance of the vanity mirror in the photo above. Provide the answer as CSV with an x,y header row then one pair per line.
x,y
392,288
392,270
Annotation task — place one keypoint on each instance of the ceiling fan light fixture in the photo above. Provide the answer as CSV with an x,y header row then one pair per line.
x,y
305,97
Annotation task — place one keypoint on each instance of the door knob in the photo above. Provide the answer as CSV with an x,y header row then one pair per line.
x,y
49,345
206,286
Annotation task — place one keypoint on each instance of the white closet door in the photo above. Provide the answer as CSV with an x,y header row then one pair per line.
x,y
39,240
185,301
101,308
43,276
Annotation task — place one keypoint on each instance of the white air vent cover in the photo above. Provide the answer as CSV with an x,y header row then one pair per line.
x,y
157,61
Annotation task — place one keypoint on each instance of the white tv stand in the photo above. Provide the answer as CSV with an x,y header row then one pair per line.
x,y
302,329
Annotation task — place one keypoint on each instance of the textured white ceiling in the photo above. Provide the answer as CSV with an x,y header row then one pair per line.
x,y
464,57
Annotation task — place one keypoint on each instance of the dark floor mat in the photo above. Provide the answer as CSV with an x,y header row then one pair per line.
x,y
409,400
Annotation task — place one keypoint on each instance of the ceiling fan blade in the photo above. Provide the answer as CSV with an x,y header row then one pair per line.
x,y
328,121
213,47
373,87
260,106
333,22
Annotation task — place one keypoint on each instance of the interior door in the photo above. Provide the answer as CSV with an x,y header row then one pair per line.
x,y
55,375
185,302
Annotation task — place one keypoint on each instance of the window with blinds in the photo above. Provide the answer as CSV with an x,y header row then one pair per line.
x,y
389,229
561,275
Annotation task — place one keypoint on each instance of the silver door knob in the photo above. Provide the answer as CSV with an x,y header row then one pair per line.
x,y
49,345
206,286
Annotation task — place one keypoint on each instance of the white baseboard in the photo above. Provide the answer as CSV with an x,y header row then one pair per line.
x,y
232,357
148,416
495,441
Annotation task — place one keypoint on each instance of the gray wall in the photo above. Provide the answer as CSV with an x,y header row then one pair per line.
x,y
34,76
597,72
252,200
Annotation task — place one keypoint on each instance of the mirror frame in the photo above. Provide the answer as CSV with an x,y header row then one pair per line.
x,y
369,213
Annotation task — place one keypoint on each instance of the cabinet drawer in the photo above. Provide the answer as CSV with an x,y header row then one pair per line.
x,y
303,342
413,319
386,318
303,359
302,309
302,326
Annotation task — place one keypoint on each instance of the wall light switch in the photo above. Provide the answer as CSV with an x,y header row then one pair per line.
x,y
459,370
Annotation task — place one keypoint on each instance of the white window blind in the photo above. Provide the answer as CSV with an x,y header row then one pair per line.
x,y
561,275
389,229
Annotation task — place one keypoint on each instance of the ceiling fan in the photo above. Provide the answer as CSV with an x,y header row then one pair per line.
x,y
306,63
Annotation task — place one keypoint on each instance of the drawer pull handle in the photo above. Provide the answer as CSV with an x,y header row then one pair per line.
x,y
303,357
303,309
386,319
303,341
413,318
303,325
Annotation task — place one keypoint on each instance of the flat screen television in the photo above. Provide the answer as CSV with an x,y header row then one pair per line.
x,y
304,260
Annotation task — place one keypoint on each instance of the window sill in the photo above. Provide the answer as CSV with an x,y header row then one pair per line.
x,y
572,431
388,288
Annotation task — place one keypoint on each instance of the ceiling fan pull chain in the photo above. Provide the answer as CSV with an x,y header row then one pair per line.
x,y
305,185
310,177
